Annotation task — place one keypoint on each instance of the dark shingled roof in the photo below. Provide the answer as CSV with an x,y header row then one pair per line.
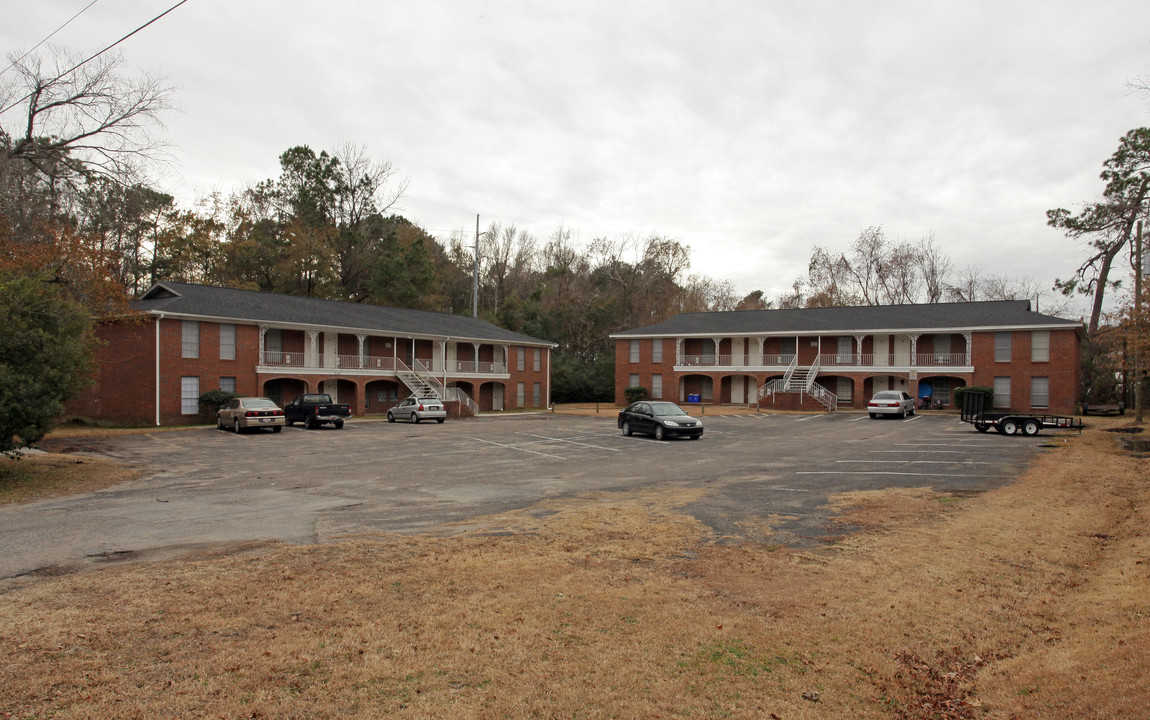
x,y
934,317
230,305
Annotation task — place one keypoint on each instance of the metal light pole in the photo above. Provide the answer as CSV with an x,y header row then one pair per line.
x,y
475,274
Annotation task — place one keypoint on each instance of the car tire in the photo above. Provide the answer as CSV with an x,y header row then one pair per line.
x,y
695,437
390,417
236,425
339,424
289,422
415,418
873,416
276,429
440,420
627,429
660,433
219,423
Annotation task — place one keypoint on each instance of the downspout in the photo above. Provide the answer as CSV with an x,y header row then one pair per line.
x,y
158,319
549,403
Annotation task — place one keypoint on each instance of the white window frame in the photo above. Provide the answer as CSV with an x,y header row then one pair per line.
x,y
1002,342
521,358
1040,392
657,386
634,351
535,361
190,339
1002,392
190,395
1040,346
657,350
227,341
520,394
228,384
536,394
633,380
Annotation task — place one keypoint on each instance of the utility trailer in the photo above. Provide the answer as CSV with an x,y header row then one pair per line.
x,y
1010,423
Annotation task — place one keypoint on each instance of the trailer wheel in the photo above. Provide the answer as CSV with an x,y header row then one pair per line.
x,y
1030,426
981,427
1009,427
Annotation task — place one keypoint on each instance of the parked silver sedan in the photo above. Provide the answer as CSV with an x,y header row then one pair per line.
x,y
416,409
250,412
890,402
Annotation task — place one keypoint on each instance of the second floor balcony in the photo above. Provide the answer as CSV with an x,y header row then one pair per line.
x,y
828,360
374,364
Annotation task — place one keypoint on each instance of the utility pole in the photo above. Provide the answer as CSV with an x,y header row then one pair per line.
x,y
1139,385
475,274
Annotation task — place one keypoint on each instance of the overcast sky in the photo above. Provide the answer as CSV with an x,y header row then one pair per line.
x,y
750,131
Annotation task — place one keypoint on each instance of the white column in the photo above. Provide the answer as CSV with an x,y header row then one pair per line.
x,y
263,334
858,355
312,348
678,351
362,339
716,341
762,343
967,336
914,350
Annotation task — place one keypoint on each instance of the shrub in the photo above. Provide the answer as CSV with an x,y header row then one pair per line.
x,y
212,401
635,394
987,391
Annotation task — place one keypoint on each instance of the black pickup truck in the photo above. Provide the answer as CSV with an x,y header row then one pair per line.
x,y
315,409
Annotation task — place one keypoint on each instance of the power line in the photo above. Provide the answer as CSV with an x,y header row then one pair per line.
x,y
69,21
81,64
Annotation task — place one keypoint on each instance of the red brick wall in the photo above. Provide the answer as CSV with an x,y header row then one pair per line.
x,y
1062,369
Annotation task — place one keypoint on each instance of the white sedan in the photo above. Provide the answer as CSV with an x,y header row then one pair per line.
x,y
890,402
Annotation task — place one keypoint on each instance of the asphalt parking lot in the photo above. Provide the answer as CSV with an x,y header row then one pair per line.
x,y
203,487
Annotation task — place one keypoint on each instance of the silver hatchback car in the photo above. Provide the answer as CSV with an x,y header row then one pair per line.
x,y
416,409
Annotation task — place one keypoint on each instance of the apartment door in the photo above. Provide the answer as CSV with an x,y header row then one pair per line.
x,y
882,350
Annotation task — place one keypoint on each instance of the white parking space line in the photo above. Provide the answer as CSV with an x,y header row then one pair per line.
x,y
932,452
514,447
864,417
883,472
921,462
808,417
571,441
912,418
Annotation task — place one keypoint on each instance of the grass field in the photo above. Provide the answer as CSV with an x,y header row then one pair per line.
x,y
1030,601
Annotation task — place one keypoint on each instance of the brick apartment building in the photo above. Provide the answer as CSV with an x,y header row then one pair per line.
x,y
189,339
838,357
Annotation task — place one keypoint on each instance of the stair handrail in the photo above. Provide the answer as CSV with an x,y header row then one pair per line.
x,y
812,373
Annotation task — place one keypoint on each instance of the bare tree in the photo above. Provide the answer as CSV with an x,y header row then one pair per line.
x,y
67,118
934,264
366,186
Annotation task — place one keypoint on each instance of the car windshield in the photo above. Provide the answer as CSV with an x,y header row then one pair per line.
x,y
667,409
258,403
889,395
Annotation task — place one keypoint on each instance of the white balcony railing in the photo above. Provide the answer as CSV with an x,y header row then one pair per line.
x,y
896,360
735,360
469,367
373,363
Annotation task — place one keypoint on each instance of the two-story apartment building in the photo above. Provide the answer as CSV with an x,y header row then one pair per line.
x,y
188,339
838,357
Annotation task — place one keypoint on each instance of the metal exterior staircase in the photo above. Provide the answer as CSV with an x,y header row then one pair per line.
x,y
800,380
423,384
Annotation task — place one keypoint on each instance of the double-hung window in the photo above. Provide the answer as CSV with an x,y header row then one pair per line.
x,y
1001,392
1002,347
657,350
634,351
227,341
189,395
1039,392
190,339
1040,346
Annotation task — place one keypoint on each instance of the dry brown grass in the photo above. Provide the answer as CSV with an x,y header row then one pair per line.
x,y
1030,601
35,477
